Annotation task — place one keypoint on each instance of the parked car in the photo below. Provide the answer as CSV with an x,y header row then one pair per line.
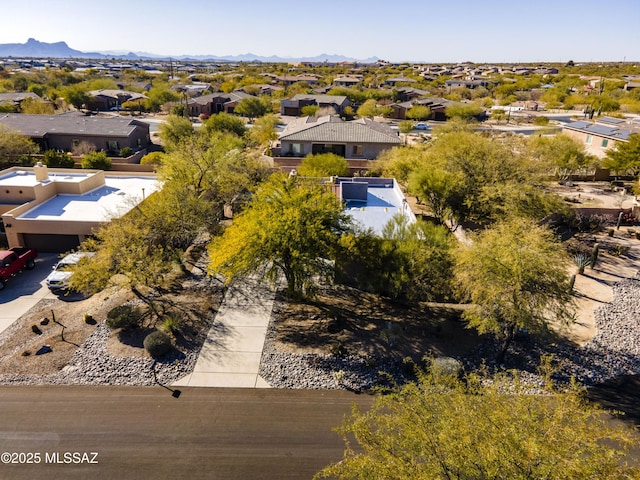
x,y
15,260
58,280
421,126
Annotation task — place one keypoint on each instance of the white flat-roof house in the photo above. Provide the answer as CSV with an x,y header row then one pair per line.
x,y
54,210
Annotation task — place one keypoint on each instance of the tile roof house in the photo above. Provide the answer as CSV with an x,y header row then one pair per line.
x,y
437,106
105,99
293,106
601,135
215,103
66,131
16,98
359,141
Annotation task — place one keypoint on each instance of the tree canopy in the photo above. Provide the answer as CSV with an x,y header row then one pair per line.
x,y
251,107
624,156
561,153
515,276
323,165
444,427
14,146
290,228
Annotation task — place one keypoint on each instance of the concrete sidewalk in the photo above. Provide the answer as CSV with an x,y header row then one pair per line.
x,y
230,356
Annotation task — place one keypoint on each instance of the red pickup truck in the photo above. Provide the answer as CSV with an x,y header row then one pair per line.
x,y
15,260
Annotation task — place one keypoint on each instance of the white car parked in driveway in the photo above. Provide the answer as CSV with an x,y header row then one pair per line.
x,y
59,279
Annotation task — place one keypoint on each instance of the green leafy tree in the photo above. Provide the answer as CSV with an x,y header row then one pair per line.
x,y
444,427
15,147
174,130
440,189
406,127
409,262
153,158
36,107
323,165
76,95
368,109
264,130
126,255
225,122
515,276
465,111
56,159
624,156
419,112
561,153
289,228
96,161
309,110
251,107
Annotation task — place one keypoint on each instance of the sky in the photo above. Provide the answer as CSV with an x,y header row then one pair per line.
x,y
433,31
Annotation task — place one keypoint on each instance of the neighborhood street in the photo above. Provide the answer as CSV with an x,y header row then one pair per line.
x,y
150,432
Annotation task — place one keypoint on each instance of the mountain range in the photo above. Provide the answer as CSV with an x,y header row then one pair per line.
x,y
36,49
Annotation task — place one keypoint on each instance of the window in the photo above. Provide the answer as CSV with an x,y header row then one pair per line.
x,y
75,142
589,139
357,151
605,143
296,149
113,146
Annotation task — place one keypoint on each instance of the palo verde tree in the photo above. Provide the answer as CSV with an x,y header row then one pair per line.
x,y
444,427
251,107
411,261
514,274
15,147
289,227
323,165
624,156
561,154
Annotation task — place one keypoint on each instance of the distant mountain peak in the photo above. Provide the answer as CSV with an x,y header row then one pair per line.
x,y
38,49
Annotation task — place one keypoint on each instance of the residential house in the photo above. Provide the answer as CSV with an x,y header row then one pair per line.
x,y
359,141
16,98
601,135
405,94
437,106
392,82
105,100
54,210
68,130
470,84
347,81
215,103
293,106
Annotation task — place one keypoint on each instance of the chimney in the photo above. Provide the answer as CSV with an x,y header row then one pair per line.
x,y
41,172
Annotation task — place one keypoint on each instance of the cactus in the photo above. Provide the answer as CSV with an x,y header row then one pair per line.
x,y
594,255
581,260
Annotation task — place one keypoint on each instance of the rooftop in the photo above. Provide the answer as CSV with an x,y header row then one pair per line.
x,y
383,200
117,196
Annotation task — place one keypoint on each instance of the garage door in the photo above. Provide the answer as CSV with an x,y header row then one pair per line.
x,y
51,243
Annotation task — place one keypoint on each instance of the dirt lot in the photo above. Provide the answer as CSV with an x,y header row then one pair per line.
x,y
20,342
346,320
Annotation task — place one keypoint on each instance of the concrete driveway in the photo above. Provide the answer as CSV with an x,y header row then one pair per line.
x,y
26,289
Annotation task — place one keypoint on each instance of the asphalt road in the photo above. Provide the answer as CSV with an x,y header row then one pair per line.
x,y
146,432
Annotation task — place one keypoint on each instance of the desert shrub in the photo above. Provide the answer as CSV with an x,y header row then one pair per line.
x,y
172,324
541,121
55,159
157,343
153,158
96,160
125,317
126,152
